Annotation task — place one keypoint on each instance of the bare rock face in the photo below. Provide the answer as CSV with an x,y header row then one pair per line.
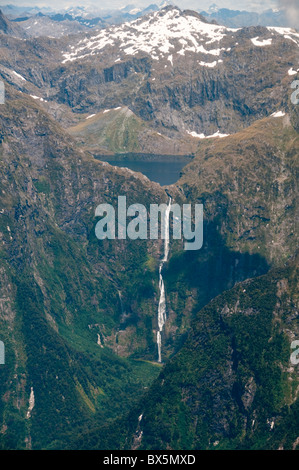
x,y
9,28
170,80
173,69
210,380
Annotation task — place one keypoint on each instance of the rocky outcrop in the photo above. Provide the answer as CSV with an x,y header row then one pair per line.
x,y
215,80
7,27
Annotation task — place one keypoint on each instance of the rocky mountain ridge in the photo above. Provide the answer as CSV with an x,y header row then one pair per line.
x,y
78,316
182,76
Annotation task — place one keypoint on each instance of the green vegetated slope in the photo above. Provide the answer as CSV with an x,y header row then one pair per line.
x,y
248,186
61,312
249,180
231,385
64,294
119,130
114,130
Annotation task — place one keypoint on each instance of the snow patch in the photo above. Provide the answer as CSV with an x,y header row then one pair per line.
x,y
202,136
278,114
210,64
287,33
155,35
264,42
19,76
38,98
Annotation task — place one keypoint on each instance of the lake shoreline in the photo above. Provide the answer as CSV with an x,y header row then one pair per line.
x,y
162,169
144,157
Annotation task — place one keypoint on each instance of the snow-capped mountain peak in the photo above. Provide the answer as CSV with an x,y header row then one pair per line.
x,y
157,34
168,34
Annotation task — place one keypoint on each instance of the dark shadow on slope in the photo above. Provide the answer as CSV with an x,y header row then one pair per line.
x,y
194,278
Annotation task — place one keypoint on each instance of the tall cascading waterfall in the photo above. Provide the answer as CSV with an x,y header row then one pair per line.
x,y
162,300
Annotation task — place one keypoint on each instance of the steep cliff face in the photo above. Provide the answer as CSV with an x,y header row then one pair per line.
x,y
78,316
7,27
65,295
247,184
251,177
232,385
182,74
61,314
173,70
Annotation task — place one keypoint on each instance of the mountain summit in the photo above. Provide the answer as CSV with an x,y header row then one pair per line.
x,y
170,33
158,34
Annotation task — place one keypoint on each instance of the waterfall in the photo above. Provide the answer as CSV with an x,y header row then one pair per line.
x,y
162,300
121,301
31,403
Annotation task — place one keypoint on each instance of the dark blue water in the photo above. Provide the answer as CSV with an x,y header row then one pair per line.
x,y
164,172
